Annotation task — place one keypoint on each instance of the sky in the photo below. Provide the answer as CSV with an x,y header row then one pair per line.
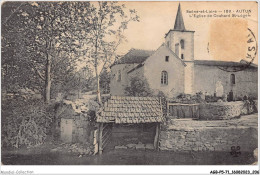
x,y
215,38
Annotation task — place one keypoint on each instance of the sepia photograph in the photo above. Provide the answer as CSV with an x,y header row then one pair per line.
x,y
129,83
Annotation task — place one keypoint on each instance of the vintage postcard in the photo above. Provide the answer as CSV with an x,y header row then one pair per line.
x,y
129,83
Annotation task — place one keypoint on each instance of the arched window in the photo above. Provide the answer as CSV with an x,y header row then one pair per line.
x,y
164,78
182,43
232,79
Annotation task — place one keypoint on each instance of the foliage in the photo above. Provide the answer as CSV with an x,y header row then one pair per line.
x,y
108,21
40,40
189,99
78,81
105,81
138,88
42,44
46,39
163,99
25,123
211,98
250,105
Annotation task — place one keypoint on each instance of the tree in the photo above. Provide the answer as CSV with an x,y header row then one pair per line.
x,y
46,39
14,68
138,88
105,81
108,21
47,36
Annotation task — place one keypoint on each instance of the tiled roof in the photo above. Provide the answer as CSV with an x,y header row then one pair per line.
x,y
222,63
131,110
134,56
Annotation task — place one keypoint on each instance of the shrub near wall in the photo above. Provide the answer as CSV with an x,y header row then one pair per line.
x,y
25,122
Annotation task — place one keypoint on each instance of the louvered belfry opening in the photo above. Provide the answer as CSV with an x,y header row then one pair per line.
x,y
133,120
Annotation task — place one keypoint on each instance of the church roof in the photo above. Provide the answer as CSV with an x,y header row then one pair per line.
x,y
119,109
223,63
179,22
134,56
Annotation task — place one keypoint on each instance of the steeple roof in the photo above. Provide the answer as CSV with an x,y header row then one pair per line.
x,y
179,23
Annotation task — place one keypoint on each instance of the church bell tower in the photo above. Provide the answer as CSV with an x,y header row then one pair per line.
x,y
181,42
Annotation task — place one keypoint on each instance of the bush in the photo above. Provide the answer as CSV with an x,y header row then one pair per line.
x,y
187,98
25,123
211,98
138,88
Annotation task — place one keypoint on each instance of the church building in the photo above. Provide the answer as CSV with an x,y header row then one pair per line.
x,y
173,70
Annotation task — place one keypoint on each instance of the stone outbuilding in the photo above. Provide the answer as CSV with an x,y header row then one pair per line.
x,y
74,122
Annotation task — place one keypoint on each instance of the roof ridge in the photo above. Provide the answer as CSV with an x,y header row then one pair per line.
x,y
141,49
221,63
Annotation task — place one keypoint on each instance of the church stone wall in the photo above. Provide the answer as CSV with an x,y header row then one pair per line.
x,y
117,87
136,73
175,37
189,78
154,66
186,54
208,78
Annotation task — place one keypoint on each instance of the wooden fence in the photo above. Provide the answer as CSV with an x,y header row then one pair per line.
x,y
179,110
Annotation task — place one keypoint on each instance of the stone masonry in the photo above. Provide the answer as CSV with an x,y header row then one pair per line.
x,y
221,135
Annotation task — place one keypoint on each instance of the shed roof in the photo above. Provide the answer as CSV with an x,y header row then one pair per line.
x,y
131,110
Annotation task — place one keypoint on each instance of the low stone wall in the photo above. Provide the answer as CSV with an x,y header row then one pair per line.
x,y
192,135
220,111
82,130
225,110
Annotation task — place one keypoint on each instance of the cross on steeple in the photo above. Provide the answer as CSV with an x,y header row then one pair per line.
x,y
179,23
